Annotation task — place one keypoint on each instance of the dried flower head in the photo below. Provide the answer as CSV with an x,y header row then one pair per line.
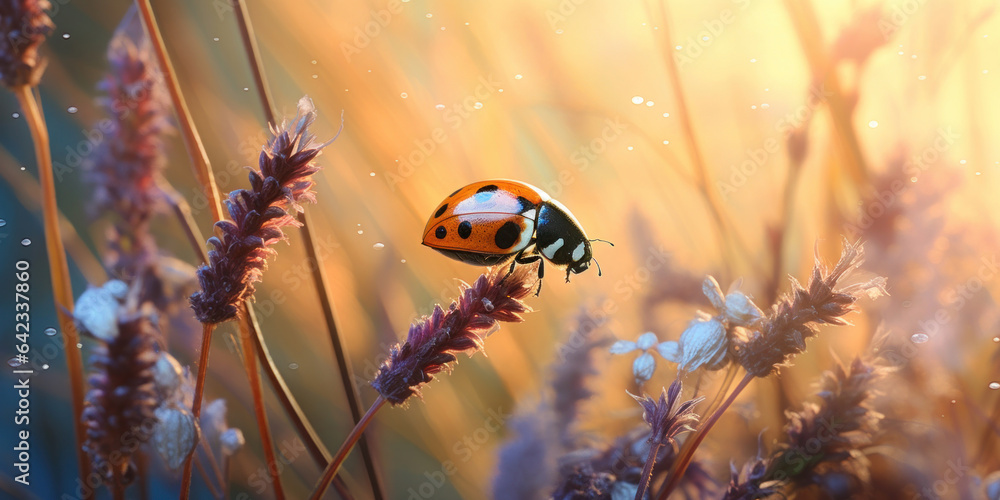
x,y
432,342
23,27
258,214
122,395
176,435
705,342
829,437
796,317
645,364
750,482
670,416
97,310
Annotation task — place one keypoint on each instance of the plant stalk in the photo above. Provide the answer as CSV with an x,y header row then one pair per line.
x,y
647,471
684,460
345,449
250,364
199,390
62,289
319,276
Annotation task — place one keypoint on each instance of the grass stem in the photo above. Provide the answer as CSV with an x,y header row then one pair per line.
x,y
345,449
319,277
62,289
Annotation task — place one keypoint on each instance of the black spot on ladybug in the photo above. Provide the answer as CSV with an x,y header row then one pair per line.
x,y
487,188
465,229
525,203
441,232
507,235
441,210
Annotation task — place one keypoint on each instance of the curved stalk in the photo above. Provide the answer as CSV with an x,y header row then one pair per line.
x,y
345,449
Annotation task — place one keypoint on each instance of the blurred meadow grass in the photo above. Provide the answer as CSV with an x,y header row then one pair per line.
x,y
576,98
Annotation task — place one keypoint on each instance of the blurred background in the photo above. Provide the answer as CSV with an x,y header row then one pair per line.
x,y
737,138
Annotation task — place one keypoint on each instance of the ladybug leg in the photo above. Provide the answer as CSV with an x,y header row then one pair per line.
x,y
528,259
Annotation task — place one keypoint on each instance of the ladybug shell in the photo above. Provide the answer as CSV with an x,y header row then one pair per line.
x,y
486,222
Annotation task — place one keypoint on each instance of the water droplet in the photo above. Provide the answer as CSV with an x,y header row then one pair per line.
x,y
996,339
428,16
16,362
666,115
922,77
361,231
919,338
246,89
953,401
65,36
439,107
45,366
314,62
72,109
478,105
629,148
637,100
79,345
15,115
315,77
994,385
963,162
753,60
518,77
403,261
649,103
666,142
404,95
378,245
3,223
25,242
765,105
705,38
986,71
371,174
679,47
216,39
293,366
872,124
559,32
753,106
51,331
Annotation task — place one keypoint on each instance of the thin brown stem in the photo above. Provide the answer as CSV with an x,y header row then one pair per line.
x,y
685,459
192,141
204,477
62,289
729,239
199,390
345,449
647,471
319,276
313,443
250,365
182,210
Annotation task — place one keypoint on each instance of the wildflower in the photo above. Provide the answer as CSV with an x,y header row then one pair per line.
x,y
644,365
750,482
796,317
121,398
705,342
431,343
23,27
828,438
283,181
669,417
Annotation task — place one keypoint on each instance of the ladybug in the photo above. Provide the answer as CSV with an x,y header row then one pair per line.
x,y
490,222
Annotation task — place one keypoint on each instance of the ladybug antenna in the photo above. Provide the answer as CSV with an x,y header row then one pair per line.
x,y
605,241
598,263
